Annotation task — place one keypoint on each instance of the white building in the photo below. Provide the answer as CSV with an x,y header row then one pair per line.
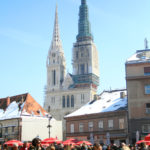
x,y
22,118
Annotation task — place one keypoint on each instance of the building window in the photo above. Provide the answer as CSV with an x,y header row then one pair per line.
x,y
49,108
121,123
13,129
82,68
90,126
72,101
54,77
147,89
110,124
81,127
148,108
63,102
87,68
77,55
146,71
68,101
146,128
100,124
72,128
6,130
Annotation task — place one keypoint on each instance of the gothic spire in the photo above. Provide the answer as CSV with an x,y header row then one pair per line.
x,y
56,42
84,30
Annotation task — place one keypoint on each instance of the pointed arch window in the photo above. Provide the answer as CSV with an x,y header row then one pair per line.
x,y
63,101
82,68
72,101
54,77
68,101
77,55
87,68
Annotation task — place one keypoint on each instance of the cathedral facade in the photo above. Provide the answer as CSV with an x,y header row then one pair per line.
x,y
66,93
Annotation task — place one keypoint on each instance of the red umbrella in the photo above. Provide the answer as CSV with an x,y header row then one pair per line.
x,y
68,143
12,142
72,140
45,144
50,140
147,138
143,141
84,142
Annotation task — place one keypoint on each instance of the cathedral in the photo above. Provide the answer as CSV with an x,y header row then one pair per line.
x,y
66,93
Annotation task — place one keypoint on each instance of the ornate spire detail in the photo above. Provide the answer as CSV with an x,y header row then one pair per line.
x,y
146,43
84,30
56,42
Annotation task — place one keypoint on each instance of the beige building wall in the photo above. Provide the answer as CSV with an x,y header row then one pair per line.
x,y
136,82
10,129
137,78
133,70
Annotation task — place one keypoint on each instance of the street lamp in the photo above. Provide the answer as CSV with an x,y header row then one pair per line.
x,y
49,126
1,125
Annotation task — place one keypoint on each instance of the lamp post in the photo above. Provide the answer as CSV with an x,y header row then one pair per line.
x,y
49,126
1,133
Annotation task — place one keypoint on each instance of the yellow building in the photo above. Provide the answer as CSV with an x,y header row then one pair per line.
x,y
138,87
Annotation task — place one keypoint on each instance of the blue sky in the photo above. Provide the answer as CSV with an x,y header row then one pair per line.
x,y
26,26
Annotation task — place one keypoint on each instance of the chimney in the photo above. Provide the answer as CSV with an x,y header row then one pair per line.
x,y
122,94
8,100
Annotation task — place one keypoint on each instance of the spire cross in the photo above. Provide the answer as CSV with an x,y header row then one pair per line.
x,y
146,43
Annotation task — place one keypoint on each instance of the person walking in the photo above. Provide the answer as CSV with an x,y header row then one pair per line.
x,y
36,144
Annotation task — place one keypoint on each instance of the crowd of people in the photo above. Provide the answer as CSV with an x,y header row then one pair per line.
x,y
36,145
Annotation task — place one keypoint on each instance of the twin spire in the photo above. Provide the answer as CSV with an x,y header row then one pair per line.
x,y
56,42
84,30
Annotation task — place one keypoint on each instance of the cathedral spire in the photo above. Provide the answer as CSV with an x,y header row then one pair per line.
x,y
56,42
84,30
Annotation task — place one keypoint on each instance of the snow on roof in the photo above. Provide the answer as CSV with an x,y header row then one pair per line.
x,y
12,111
109,101
139,56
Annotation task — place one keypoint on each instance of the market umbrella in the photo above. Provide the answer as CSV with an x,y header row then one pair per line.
x,y
12,142
68,143
143,141
84,142
50,140
72,140
45,144
147,138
